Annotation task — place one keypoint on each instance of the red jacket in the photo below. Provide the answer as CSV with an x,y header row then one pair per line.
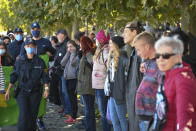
x,y
180,90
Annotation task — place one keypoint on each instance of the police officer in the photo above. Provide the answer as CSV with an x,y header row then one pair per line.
x,y
14,47
29,70
43,45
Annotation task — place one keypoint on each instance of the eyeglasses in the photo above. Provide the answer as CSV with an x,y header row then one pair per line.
x,y
164,56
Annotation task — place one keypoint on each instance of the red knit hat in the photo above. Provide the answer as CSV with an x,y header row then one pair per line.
x,y
103,37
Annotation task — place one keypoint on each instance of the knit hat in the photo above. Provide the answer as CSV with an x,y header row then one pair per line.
x,y
118,40
103,37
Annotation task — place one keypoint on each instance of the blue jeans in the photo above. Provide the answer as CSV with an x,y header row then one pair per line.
x,y
65,97
28,104
102,105
89,112
144,125
118,116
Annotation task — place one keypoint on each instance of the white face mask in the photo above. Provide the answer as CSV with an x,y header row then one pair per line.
x,y
2,52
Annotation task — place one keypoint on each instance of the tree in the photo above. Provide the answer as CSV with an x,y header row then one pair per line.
x,y
54,14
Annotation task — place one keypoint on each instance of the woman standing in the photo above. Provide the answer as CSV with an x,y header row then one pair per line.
x,y
85,82
69,61
5,60
30,72
116,64
179,86
99,75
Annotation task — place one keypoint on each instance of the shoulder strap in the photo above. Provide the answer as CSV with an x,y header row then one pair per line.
x,y
103,60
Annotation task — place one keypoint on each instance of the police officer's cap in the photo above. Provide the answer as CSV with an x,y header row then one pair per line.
x,y
18,30
35,25
61,31
30,41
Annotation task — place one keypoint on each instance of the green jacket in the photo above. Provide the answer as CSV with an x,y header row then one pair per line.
x,y
85,75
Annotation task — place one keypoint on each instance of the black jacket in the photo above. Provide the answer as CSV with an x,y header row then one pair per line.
x,y
133,82
14,49
118,86
5,61
29,73
61,50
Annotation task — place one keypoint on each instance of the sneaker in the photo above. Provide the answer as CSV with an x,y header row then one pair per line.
x,y
40,124
70,120
65,116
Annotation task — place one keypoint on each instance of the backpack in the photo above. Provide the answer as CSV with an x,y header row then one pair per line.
x,y
161,109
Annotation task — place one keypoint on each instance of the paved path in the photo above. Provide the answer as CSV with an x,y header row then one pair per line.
x,y
54,123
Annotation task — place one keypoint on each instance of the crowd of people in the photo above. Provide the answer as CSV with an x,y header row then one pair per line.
x,y
142,80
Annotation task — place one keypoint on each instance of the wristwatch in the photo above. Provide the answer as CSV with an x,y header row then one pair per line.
x,y
46,88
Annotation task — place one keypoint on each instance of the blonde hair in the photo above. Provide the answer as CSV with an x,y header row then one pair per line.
x,y
97,52
116,57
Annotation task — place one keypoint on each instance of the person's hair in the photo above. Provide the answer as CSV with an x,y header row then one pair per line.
x,y
146,37
173,42
73,43
135,25
8,57
87,45
98,51
116,56
78,35
54,38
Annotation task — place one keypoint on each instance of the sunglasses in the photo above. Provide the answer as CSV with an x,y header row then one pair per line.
x,y
164,56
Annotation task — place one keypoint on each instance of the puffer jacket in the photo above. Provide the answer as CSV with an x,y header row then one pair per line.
x,y
85,75
69,61
180,90
99,69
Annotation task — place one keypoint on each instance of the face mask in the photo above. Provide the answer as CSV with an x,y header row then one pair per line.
x,y
30,50
2,52
19,37
36,33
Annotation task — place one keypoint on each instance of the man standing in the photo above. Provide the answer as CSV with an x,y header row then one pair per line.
x,y
14,47
146,94
61,48
43,45
134,76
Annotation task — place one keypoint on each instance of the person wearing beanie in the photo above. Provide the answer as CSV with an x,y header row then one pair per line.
x,y
99,75
115,83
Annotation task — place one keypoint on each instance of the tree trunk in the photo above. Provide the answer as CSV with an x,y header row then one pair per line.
x,y
189,21
75,27
69,30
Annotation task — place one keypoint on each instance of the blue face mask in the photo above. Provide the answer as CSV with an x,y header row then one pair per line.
x,y
30,50
36,33
19,37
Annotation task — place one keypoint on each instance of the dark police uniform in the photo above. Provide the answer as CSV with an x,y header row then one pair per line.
x,y
30,74
43,45
14,49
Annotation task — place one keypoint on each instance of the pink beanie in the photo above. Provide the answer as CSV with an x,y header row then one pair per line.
x,y
103,37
